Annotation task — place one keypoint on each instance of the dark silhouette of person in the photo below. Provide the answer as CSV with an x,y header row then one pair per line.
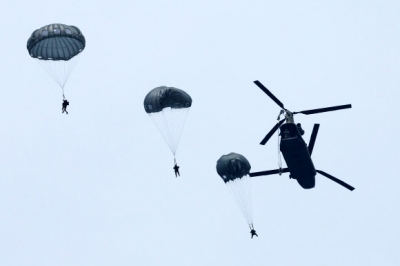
x,y
253,233
176,168
64,106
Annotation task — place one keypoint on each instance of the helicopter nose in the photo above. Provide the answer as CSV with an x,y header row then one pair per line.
x,y
307,183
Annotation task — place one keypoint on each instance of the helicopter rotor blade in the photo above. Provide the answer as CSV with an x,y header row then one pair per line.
x,y
313,137
323,110
270,172
271,132
264,89
340,182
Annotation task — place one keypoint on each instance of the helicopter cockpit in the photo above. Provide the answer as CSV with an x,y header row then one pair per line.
x,y
291,130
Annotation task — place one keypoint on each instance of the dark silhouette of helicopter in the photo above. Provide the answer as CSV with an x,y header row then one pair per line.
x,y
295,151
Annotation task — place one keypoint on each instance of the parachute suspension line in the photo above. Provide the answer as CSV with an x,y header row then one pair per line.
x,y
232,185
247,197
178,121
71,66
250,200
170,123
63,85
281,112
50,69
279,156
157,119
241,192
237,188
236,197
182,120
59,70
244,196
162,125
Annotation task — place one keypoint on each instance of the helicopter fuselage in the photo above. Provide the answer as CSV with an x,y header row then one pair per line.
x,y
296,152
296,155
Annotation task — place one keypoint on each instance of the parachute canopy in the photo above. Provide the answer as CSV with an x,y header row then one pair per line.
x,y
232,166
168,108
162,97
56,48
234,169
56,42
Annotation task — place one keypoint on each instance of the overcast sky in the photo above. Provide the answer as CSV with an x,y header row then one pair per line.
x,y
97,187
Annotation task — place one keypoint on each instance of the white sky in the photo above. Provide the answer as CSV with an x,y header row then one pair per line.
x,y
97,187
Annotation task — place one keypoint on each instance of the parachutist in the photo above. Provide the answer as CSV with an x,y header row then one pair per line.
x,y
234,170
64,106
168,108
176,169
253,233
56,48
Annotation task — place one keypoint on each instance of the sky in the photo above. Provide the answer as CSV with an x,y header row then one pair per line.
x,y
96,186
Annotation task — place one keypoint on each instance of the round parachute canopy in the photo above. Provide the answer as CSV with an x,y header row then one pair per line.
x,y
234,170
162,97
232,166
56,47
56,42
168,108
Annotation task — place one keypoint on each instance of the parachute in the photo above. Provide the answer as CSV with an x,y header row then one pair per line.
x,y
56,47
168,108
234,170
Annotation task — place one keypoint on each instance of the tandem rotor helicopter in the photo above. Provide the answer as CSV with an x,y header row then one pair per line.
x,y
295,151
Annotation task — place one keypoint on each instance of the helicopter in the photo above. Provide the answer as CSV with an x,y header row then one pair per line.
x,y
295,151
